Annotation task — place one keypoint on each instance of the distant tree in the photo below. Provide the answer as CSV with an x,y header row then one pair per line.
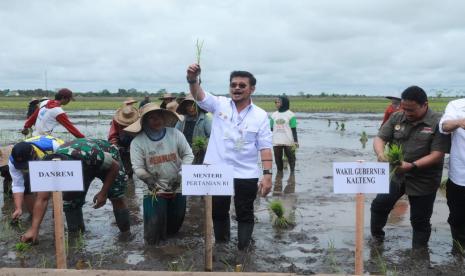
x,y
105,93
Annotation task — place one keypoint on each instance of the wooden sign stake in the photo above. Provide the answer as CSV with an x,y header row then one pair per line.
x,y
208,234
59,230
359,224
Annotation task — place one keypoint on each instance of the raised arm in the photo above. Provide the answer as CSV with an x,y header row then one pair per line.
x,y
193,72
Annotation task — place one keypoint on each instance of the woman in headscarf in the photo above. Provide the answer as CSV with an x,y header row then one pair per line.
x,y
157,153
283,124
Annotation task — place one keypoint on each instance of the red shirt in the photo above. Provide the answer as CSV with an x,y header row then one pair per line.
x,y
388,112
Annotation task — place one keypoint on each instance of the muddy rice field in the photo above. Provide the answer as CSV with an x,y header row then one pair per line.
x,y
322,240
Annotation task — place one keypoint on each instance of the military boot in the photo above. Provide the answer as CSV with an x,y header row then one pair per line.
x,y
122,219
75,220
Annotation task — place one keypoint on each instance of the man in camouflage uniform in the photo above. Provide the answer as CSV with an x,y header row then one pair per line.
x,y
102,160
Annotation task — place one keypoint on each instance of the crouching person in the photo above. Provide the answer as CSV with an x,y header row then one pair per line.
x,y
100,159
157,153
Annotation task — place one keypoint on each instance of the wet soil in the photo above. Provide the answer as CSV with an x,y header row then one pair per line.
x,y
322,241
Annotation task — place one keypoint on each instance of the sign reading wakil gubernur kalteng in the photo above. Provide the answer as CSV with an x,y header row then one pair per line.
x,y
361,177
207,180
52,176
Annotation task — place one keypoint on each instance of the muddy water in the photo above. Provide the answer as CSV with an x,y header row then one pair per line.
x,y
321,242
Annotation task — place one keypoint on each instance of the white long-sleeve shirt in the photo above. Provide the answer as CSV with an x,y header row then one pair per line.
x,y
236,138
456,110
161,159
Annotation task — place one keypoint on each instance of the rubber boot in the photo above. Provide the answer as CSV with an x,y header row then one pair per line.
x,y
222,229
75,221
420,239
458,240
244,234
377,223
122,219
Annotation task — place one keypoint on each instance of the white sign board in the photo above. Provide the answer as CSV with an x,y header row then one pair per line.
x,y
52,176
361,177
207,180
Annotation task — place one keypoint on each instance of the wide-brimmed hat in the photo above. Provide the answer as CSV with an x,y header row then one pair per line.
x,y
34,101
43,99
189,100
394,96
170,118
5,153
126,115
167,96
130,101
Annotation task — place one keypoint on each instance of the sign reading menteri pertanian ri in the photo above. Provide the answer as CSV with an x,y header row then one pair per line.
x,y
52,176
207,180
361,177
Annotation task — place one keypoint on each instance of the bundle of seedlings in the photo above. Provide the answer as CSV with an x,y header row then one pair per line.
x,y
198,53
395,156
199,148
278,220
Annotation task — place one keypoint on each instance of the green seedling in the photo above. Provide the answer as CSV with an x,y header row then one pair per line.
x,y
363,137
395,156
198,50
279,220
332,258
199,143
22,247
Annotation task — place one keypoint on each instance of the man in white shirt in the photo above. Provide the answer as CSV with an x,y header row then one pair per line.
x,y
453,122
240,132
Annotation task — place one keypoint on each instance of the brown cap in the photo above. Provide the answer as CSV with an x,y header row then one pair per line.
x,y
66,93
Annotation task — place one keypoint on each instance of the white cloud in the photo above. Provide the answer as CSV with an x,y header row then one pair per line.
x,y
370,47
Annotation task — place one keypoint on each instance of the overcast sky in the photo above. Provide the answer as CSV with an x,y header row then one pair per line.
x,y
364,47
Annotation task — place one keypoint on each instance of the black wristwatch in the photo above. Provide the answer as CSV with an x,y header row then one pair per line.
x,y
414,166
191,81
267,172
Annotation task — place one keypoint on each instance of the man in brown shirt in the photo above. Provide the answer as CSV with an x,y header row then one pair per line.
x,y
415,128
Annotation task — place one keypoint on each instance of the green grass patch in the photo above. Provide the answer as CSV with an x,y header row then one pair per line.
x,y
346,104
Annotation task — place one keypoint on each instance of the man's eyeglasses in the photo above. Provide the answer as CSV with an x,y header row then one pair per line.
x,y
240,85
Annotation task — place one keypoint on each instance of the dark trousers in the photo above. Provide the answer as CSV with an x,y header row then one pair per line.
x,y
456,203
421,209
278,157
162,217
245,191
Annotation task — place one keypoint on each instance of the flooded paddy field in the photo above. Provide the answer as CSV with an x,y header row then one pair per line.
x,y
322,241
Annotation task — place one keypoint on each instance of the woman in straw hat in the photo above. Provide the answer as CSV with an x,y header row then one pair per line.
x,y
123,117
166,99
157,153
196,123
5,153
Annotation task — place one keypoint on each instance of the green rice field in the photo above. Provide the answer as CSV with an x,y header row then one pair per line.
x,y
345,104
